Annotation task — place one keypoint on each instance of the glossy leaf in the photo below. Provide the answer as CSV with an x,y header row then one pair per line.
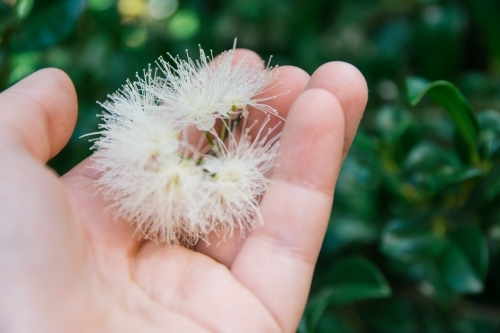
x,y
425,157
410,241
392,123
493,189
465,261
451,99
489,138
314,310
329,323
23,8
432,283
48,26
326,323
472,242
429,168
352,279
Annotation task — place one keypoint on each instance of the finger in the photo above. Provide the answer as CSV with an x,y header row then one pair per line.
x,y
249,55
292,82
38,114
349,86
277,260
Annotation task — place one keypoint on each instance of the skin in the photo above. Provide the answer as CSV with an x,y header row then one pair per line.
x,y
66,266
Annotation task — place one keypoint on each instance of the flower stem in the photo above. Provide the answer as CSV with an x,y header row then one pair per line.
x,y
209,138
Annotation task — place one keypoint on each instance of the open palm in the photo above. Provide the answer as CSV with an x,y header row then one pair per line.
x,y
66,266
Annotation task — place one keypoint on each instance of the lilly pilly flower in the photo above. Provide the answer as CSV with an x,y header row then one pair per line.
x,y
199,92
153,175
139,158
238,169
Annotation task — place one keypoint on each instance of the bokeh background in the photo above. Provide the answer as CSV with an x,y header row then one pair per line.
x,y
413,244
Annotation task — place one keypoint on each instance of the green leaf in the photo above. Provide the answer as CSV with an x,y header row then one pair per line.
x,y
472,242
23,8
355,279
493,189
314,310
411,241
451,99
392,123
48,26
431,283
358,177
429,168
346,230
459,273
489,137
326,322
458,177
465,261
425,157
330,323
352,279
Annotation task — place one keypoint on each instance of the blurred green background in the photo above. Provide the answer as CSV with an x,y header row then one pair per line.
x,y
413,244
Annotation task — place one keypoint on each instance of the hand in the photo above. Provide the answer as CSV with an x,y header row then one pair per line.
x,y
66,266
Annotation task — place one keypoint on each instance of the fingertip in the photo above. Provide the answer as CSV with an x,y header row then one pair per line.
x,y
42,110
291,83
348,84
58,78
59,100
294,78
51,79
247,54
63,110
343,80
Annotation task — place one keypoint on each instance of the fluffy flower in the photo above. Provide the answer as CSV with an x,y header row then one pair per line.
x,y
238,178
151,173
141,169
132,131
199,92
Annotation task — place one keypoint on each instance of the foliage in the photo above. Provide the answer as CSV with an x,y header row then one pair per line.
x,y
413,244
422,204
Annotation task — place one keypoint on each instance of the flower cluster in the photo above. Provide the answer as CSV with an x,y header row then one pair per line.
x,y
178,155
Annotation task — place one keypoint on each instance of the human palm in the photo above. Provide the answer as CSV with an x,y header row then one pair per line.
x,y
67,266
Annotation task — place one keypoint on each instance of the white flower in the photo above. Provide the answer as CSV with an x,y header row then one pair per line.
x,y
199,92
142,171
132,132
154,177
162,202
238,179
